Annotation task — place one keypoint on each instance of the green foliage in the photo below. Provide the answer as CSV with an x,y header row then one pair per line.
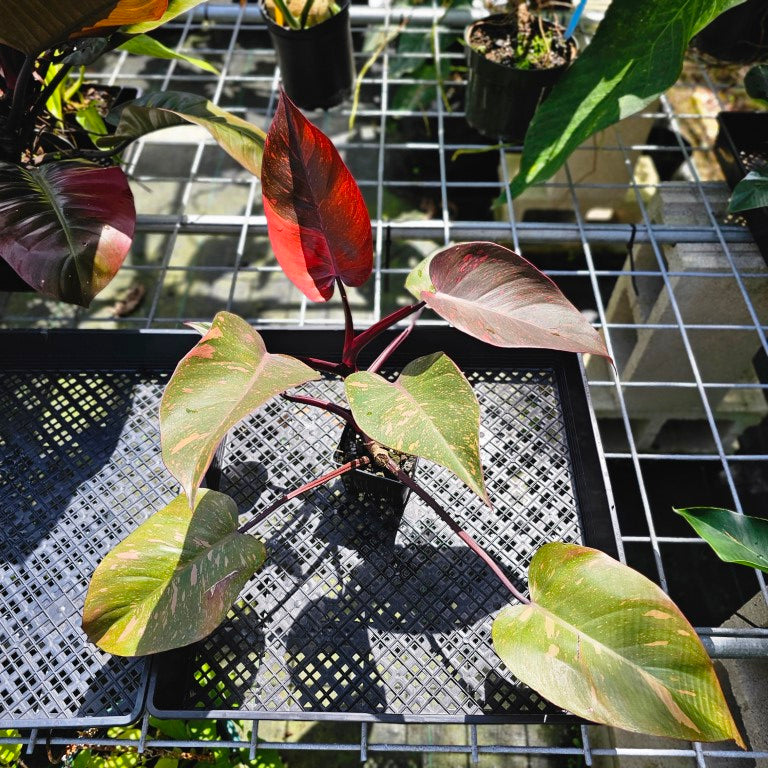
x,y
751,192
9,753
735,538
144,45
636,53
606,643
756,83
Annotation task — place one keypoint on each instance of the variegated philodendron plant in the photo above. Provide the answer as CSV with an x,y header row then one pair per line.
x,y
594,637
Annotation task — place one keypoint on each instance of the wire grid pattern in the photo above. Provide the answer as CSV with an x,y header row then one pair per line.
x,y
70,448
236,261
359,612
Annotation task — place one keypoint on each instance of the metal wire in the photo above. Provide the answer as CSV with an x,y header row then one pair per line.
x,y
232,35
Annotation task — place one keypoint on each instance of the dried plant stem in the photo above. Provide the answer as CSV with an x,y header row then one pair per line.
x,y
344,468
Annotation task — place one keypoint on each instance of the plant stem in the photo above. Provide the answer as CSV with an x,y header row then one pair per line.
x,y
367,336
338,410
457,529
305,13
292,21
349,326
50,88
325,366
20,93
350,465
394,344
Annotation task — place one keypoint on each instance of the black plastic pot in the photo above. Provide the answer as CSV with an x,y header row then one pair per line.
x,y
741,147
316,63
502,100
376,485
738,35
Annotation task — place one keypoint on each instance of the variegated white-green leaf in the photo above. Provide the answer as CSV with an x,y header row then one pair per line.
x,y
172,581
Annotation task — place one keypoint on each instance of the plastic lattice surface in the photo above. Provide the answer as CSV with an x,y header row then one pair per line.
x,y
79,469
361,614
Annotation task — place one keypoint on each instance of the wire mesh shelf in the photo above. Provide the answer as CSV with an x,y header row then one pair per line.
x,y
633,229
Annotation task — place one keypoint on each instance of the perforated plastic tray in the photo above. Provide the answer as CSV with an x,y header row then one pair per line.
x,y
359,615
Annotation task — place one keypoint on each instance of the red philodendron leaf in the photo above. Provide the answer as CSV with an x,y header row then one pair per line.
x,y
317,219
66,227
497,296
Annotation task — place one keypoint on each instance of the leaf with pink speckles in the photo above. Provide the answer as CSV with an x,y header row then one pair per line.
x,y
173,580
226,376
430,411
497,296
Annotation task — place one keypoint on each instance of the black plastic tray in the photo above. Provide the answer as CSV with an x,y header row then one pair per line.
x,y
355,617
741,147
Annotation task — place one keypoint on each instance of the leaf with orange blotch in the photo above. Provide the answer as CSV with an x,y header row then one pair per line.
x,y
317,220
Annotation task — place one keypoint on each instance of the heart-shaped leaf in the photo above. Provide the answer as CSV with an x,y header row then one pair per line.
x,y
496,296
173,580
735,538
65,227
430,411
239,138
226,376
317,220
604,642
175,8
33,26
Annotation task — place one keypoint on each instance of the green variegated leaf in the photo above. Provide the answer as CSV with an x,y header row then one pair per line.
x,y
429,411
223,379
735,538
239,138
604,642
173,580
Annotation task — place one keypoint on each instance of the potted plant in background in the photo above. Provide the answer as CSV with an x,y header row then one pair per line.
x,y
595,636
514,59
66,210
313,44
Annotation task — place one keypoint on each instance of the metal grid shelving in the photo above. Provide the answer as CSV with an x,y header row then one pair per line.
x,y
679,292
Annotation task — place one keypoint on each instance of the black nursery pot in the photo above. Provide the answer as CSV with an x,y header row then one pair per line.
x,y
502,100
377,485
316,63
739,35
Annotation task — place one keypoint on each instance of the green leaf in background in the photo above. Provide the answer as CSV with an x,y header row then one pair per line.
x,y
226,376
430,410
635,55
173,729
144,45
173,580
239,138
9,753
735,538
751,192
175,8
89,119
756,83
606,643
